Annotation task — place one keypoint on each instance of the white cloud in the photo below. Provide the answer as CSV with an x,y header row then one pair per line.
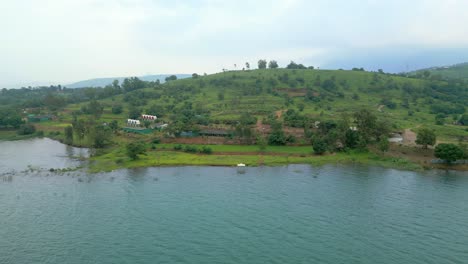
x,y
68,40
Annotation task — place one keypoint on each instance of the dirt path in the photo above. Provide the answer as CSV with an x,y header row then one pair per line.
x,y
409,137
279,113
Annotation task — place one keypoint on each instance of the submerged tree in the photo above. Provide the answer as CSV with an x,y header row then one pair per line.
x,y
68,135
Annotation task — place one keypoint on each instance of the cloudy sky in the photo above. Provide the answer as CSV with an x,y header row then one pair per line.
x,y
61,41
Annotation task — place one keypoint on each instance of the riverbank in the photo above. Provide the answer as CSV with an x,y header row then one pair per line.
x,y
157,155
228,155
12,135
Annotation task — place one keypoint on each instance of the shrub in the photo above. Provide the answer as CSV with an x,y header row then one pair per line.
x,y
206,150
26,129
178,147
320,146
190,149
448,152
134,149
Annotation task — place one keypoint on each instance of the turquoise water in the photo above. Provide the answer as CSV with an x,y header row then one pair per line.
x,y
290,214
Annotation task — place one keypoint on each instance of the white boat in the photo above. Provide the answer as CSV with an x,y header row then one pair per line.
x,y
241,168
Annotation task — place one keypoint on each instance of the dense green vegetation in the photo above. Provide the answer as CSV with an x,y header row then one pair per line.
x,y
326,111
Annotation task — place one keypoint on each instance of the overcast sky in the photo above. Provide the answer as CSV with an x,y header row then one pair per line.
x,y
60,41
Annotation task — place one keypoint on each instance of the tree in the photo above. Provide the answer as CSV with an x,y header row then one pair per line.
x,y
195,75
352,138
134,149
293,65
463,120
68,135
277,136
262,64
365,122
273,64
117,109
171,78
114,125
134,112
383,144
247,66
80,129
426,137
448,152
319,145
95,109
115,84
101,136
261,143
133,83
26,129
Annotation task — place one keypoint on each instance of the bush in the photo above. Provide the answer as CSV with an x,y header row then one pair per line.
x,y
190,149
178,147
134,149
117,109
448,152
156,141
320,146
206,150
26,129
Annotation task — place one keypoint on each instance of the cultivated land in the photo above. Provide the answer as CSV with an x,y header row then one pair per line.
x,y
296,97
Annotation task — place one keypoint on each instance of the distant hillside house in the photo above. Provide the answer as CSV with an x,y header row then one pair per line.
x,y
133,123
149,117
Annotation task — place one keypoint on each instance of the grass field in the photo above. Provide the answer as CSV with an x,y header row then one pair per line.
x,y
117,160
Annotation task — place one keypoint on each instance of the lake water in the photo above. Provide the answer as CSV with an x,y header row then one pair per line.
x,y
290,214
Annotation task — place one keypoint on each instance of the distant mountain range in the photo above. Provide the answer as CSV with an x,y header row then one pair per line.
x,y
457,71
101,82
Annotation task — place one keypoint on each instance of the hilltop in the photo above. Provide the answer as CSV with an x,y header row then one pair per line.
x,y
102,82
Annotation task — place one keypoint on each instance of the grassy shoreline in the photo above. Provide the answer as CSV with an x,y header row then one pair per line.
x,y
116,159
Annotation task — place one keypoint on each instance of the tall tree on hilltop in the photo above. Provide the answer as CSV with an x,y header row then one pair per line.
x,y
262,64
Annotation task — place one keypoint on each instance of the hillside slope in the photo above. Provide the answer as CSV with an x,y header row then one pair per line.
x,y
297,97
457,71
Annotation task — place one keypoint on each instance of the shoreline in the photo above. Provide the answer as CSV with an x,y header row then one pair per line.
x,y
114,158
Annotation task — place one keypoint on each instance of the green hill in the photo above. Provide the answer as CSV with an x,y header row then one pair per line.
x,y
335,111
223,99
457,71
